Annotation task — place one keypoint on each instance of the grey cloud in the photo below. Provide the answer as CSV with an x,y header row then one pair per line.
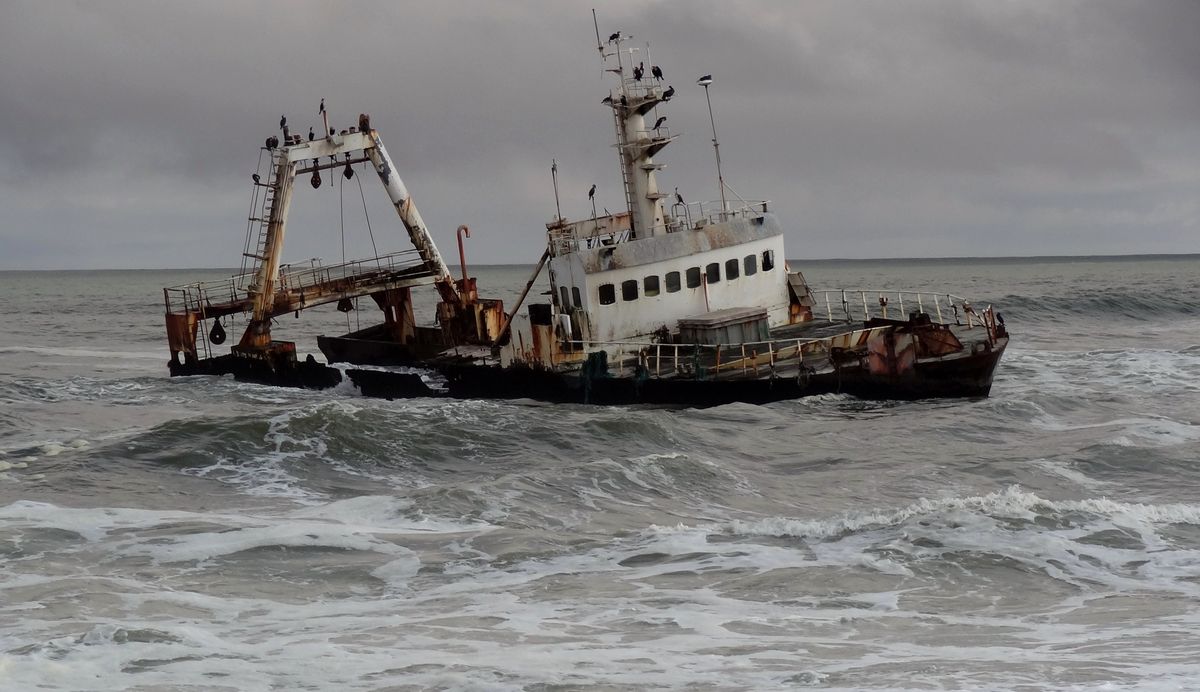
x,y
932,127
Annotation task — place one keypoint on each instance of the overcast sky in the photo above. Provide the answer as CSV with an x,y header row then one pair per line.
x,y
877,128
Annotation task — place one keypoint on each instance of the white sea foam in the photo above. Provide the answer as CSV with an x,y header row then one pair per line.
x,y
205,546
1009,503
1066,471
382,513
1142,431
51,449
8,465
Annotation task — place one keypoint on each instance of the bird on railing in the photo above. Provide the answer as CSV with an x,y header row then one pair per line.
x,y
668,93
639,71
311,136
678,197
659,123
656,71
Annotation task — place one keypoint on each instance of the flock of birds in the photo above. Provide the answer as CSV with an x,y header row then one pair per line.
x,y
639,72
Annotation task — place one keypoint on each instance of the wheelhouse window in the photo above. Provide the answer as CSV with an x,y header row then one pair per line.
x,y
731,269
673,282
650,286
608,294
751,265
768,260
629,289
576,296
693,277
713,273
564,304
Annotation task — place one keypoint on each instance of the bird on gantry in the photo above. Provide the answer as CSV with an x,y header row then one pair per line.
x,y
656,71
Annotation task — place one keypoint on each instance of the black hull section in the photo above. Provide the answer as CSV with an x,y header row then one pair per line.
x,y
968,376
308,374
963,377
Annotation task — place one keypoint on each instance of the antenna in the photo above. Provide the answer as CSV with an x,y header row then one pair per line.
x,y
554,175
705,81
595,23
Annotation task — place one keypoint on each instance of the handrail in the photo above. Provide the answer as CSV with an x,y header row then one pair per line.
x,y
866,304
566,237
194,297
712,211
853,305
748,357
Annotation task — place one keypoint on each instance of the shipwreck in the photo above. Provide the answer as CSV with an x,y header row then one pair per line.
x,y
663,302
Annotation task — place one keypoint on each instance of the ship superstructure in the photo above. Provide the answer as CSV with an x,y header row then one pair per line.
x,y
635,274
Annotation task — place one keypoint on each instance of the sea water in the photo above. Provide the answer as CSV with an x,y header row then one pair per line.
x,y
205,534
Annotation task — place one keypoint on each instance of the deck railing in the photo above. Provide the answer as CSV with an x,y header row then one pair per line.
x,y
313,274
700,214
745,358
841,305
572,236
296,276
844,305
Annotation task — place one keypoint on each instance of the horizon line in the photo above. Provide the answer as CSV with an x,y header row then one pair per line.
x,y
1153,255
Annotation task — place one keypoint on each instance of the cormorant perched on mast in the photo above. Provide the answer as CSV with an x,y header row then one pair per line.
x,y
660,121
322,110
282,122
592,192
613,38
668,93
656,71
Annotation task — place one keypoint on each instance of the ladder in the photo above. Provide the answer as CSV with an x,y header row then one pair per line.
x,y
623,145
262,210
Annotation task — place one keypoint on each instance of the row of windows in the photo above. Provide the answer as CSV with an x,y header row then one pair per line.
x,y
712,274
574,293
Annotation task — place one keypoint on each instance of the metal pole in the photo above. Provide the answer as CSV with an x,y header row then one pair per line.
x,y
508,319
716,145
554,175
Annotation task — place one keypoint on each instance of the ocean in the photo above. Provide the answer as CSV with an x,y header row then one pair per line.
x,y
204,534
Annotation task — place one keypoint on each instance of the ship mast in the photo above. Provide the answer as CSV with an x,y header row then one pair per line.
x,y
632,99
